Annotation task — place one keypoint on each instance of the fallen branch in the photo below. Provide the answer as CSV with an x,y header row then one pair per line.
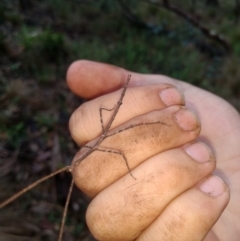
x,y
193,20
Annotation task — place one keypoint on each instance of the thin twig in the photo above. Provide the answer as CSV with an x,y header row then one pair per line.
x,y
192,20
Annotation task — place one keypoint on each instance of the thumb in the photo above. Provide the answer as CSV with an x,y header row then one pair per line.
x,y
91,79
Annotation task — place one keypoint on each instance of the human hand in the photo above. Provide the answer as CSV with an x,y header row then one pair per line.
x,y
103,79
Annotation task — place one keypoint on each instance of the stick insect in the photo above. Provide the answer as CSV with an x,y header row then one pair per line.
x,y
96,147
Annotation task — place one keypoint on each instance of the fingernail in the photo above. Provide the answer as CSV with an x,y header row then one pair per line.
x,y
186,119
213,186
171,96
199,152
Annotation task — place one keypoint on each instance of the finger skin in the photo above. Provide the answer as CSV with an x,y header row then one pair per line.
x,y
100,169
190,216
127,207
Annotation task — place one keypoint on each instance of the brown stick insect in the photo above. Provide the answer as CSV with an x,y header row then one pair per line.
x,y
90,149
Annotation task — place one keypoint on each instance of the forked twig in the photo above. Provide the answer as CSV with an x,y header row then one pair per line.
x,y
91,149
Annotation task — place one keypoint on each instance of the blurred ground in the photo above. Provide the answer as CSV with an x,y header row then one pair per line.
x,y
38,41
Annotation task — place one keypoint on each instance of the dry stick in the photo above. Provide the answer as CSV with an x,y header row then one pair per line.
x,y
192,20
